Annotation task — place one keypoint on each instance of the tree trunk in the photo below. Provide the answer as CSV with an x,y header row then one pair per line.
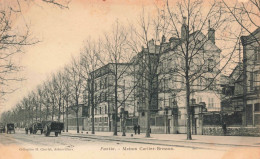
x,y
67,125
52,114
47,113
59,110
40,112
244,73
148,102
77,116
187,93
123,114
116,108
92,105
188,111
36,112
63,113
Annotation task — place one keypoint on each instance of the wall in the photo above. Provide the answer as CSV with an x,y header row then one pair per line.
x,y
232,131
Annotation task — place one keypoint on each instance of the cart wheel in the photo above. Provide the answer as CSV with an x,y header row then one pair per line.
x,y
46,133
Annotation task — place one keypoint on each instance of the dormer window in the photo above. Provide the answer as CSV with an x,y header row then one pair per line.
x,y
257,54
210,65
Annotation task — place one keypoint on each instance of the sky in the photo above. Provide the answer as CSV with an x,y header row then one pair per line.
x,y
62,32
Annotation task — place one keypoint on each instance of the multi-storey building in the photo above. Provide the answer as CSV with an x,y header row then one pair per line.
x,y
153,74
242,91
145,64
204,78
104,95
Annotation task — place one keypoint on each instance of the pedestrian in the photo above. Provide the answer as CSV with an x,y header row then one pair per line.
x,y
224,127
138,129
135,128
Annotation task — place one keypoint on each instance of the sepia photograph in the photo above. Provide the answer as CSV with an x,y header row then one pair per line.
x,y
130,79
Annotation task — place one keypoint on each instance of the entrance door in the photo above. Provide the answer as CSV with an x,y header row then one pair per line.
x,y
249,114
169,126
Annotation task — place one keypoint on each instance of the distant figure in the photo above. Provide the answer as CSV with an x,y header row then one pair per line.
x,y
224,127
138,129
135,128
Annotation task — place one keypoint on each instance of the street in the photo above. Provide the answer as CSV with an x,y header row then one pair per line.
x,y
72,145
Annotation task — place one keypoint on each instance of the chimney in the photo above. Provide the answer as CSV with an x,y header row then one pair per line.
x,y
184,29
211,34
163,39
174,42
151,43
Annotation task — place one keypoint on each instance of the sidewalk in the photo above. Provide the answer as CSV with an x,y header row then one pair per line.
x,y
212,140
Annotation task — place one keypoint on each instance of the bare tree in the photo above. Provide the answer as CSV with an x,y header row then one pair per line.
x,y
58,91
147,41
66,94
74,73
11,44
46,100
13,40
196,64
118,57
182,58
245,14
90,62
40,100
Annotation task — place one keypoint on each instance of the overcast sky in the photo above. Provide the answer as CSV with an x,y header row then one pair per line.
x,y
62,32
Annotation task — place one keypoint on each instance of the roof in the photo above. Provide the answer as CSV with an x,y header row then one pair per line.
x,y
251,37
192,35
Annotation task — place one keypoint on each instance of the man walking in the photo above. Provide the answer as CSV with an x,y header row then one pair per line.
x,y
138,129
224,127
135,128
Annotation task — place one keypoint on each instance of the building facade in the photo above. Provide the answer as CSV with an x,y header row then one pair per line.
x,y
242,90
104,96
204,86
153,82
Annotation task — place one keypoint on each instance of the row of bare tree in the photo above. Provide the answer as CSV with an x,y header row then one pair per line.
x,y
64,90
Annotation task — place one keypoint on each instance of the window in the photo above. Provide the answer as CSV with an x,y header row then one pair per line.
x,y
257,54
100,97
199,82
95,86
211,83
251,85
210,65
210,102
95,111
100,110
105,98
105,109
257,107
199,99
105,83
256,79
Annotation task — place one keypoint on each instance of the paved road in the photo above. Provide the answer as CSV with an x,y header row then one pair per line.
x,y
83,145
